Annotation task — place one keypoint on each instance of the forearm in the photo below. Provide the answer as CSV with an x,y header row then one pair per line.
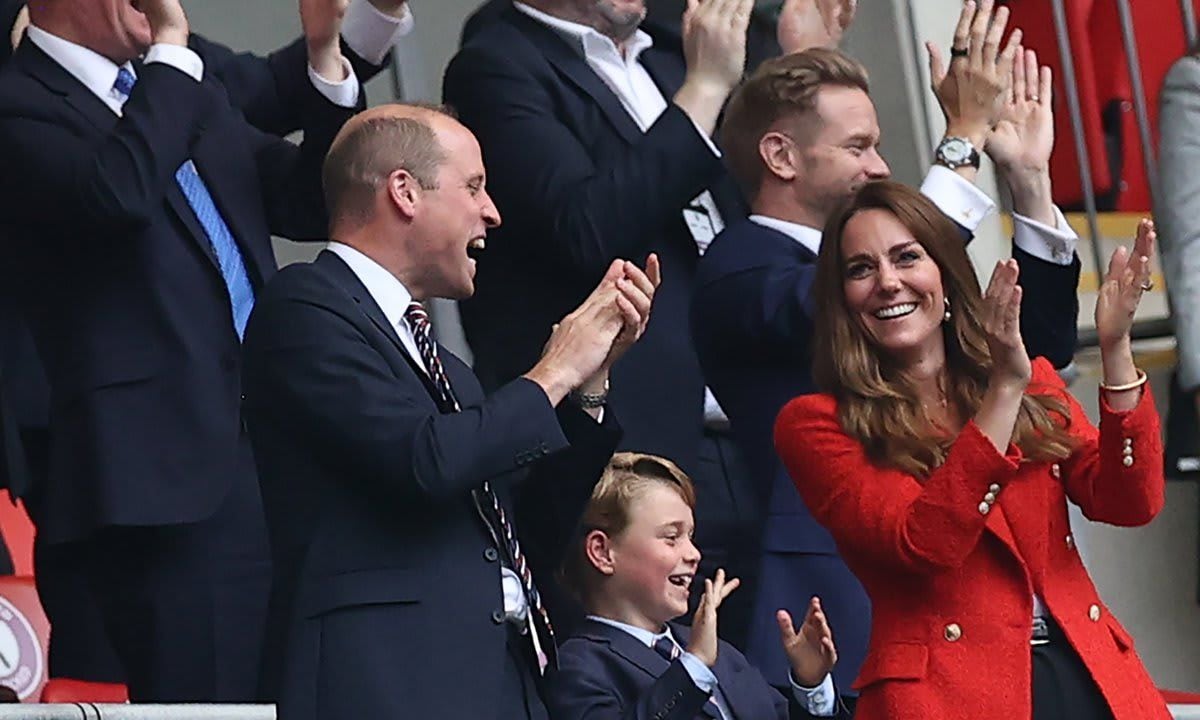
x,y
1031,194
997,416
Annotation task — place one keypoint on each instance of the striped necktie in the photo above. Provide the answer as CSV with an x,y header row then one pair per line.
x,y
225,247
418,320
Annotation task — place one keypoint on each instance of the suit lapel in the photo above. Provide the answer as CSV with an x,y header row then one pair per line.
x,y
571,65
723,671
627,646
664,68
347,280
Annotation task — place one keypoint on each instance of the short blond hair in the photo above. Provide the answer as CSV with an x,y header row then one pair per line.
x,y
781,86
626,478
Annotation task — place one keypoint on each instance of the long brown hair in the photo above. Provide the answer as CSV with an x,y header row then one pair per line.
x,y
875,404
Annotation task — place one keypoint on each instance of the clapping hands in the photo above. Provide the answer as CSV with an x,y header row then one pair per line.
x,y
810,650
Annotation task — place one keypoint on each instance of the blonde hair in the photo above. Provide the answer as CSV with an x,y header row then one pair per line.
x,y
875,405
781,86
626,479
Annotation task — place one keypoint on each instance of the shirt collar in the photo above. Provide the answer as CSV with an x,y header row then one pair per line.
x,y
385,288
643,636
807,236
96,72
586,40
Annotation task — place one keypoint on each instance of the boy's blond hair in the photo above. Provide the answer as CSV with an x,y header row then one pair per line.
x,y
627,477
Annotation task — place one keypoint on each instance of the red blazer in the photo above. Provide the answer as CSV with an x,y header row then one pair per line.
x,y
951,576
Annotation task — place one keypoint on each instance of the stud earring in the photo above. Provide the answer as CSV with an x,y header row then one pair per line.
x,y
946,316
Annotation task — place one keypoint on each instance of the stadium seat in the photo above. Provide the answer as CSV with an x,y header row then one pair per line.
x,y
65,690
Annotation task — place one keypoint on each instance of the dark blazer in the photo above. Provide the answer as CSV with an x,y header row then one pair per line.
x,y
579,184
387,581
607,674
752,324
123,294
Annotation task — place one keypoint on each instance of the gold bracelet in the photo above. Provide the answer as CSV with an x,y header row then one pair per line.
x,y
1127,386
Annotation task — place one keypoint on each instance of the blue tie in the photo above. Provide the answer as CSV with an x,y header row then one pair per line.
x,y
229,256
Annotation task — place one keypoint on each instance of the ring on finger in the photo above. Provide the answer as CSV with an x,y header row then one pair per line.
x,y
956,52
1147,286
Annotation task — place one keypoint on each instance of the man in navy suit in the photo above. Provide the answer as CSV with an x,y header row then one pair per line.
x,y
266,90
597,129
630,563
386,471
801,134
136,298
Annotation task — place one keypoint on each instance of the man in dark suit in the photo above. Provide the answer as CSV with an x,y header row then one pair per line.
x,y
136,299
801,134
267,91
385,470
598,134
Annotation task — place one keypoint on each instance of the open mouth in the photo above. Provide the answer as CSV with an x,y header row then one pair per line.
x,y
896,311
682,580
475,247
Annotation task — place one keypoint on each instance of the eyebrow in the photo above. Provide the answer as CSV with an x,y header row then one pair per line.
x,y
898,247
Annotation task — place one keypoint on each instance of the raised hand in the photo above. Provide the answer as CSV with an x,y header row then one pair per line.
x,y
703,641
810,650
322,23
714,45
973,90
1024,136
805,24
168,21
635,298
1002,323
1127,279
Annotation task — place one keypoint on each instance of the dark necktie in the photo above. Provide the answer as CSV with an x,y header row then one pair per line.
x,y
225,247
418,320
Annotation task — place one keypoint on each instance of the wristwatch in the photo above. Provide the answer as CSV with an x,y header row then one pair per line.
x,y
590,401
955,152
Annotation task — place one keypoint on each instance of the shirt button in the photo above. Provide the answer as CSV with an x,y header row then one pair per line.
x,y
989,498
1094,613
984,508
952,632
1070,541
1127,461
994,488
490,555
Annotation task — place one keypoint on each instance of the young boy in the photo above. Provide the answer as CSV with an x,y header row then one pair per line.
x,y
631,568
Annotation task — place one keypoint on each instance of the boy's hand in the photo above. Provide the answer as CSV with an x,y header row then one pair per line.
x,y
810,651
703,642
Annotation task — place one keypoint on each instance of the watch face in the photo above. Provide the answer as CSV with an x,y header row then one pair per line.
x,y
956,150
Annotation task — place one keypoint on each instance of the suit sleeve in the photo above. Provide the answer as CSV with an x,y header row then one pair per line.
x,y
310,371
579,692
1115,475
767,308
1178,210
918,526
582,211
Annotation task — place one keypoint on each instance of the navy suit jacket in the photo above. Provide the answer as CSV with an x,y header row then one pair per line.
x,y
579,184
752,322
387,579
120,285
607,674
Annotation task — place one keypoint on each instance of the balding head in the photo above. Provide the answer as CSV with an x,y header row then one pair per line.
x,y
374,144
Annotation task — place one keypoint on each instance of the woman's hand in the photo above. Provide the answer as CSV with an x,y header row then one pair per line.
x,y
1127,278
1002,322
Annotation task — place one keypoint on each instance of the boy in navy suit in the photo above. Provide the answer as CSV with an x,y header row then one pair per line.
x,y
631,566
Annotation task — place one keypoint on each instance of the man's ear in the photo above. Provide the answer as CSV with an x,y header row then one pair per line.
x,y
405,192
598,547
779,155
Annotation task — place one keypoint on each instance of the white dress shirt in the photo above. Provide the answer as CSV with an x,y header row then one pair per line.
x,y
393,299
641,98
820,701
968,206
369,32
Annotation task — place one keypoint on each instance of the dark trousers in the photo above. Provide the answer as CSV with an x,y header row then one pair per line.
x,y
728,532
1063,688
185,604
520,690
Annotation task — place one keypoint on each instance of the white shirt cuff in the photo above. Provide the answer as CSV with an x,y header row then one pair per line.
x,y
344,93
1052,244
183,59
707,140
820,701
699,672
956,197
371,33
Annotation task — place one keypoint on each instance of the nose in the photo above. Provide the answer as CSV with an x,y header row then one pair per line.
x,y
889,278
877,167
491,215
691,553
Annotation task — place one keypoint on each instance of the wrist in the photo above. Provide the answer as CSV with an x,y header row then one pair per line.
x,y
390,7
554,382
807,681
173,35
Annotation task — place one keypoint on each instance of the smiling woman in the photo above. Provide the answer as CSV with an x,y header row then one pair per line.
x,y
941,461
